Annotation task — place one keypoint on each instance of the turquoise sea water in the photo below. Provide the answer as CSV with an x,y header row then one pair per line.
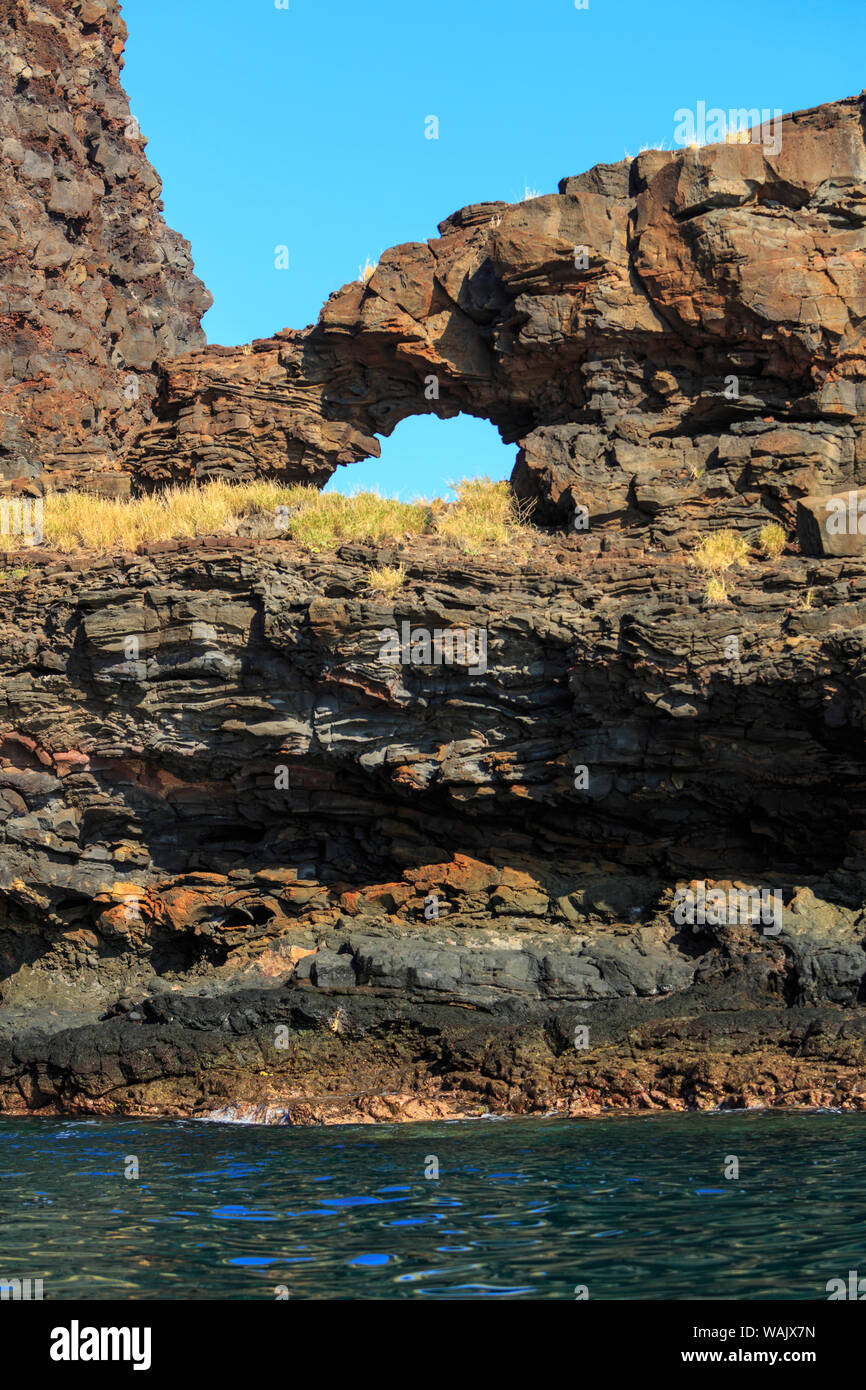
x,y
633,1207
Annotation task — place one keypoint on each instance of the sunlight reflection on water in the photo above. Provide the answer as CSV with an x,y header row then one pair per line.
x,y
630,1207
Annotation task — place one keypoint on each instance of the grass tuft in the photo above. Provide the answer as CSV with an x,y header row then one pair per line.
x,y
486,516
772,540
719,551
82,520
386,579
324,520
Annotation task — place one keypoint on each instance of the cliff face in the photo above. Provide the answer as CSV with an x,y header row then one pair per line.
x,y
262,850
96,289
673,341
260,867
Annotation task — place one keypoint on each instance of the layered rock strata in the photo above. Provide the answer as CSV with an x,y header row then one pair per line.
x,y
266,851
252,866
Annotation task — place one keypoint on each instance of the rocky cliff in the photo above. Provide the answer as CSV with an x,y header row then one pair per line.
x,y
95,289
674,341
260,867
266,852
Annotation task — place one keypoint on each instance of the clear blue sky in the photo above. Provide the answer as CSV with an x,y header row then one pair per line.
x,y
304,127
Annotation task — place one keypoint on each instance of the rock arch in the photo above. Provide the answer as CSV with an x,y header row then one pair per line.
x,y
599,328
596,327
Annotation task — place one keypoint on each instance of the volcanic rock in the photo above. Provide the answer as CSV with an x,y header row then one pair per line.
x,y
259,871
96,289
430,904
674,342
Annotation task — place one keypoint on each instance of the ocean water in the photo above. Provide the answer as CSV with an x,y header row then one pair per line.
x,y
627,1208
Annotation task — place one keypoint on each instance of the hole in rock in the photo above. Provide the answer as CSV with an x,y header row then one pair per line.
x,y
424,454
257,915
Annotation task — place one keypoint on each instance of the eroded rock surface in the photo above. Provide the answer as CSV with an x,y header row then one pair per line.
x,y
249,865
95,289
675,342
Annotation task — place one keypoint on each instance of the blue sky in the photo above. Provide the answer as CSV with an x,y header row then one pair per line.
x,y
304,127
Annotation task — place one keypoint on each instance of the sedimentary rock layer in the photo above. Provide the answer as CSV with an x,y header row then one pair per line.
x,y
264,852
252,866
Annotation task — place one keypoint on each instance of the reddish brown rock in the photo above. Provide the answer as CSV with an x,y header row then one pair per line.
x,y
95,289
167,904
676,343
834,525
260,871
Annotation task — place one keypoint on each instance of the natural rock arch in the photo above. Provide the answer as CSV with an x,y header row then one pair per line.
x,y
599,328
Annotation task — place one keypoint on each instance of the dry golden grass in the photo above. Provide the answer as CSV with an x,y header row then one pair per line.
x,y
365,271
486,516
716,590
386,579
719,551
81,520
323,520
772,540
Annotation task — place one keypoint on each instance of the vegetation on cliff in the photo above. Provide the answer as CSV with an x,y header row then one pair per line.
x,y
485,515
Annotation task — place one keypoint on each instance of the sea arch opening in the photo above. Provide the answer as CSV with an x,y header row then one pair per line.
x,y
424,454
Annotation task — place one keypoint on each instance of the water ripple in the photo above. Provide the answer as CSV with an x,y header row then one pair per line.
x,y
628,1207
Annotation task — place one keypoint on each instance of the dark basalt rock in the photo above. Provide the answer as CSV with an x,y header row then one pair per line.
x,y
675,342
251,867
171,899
